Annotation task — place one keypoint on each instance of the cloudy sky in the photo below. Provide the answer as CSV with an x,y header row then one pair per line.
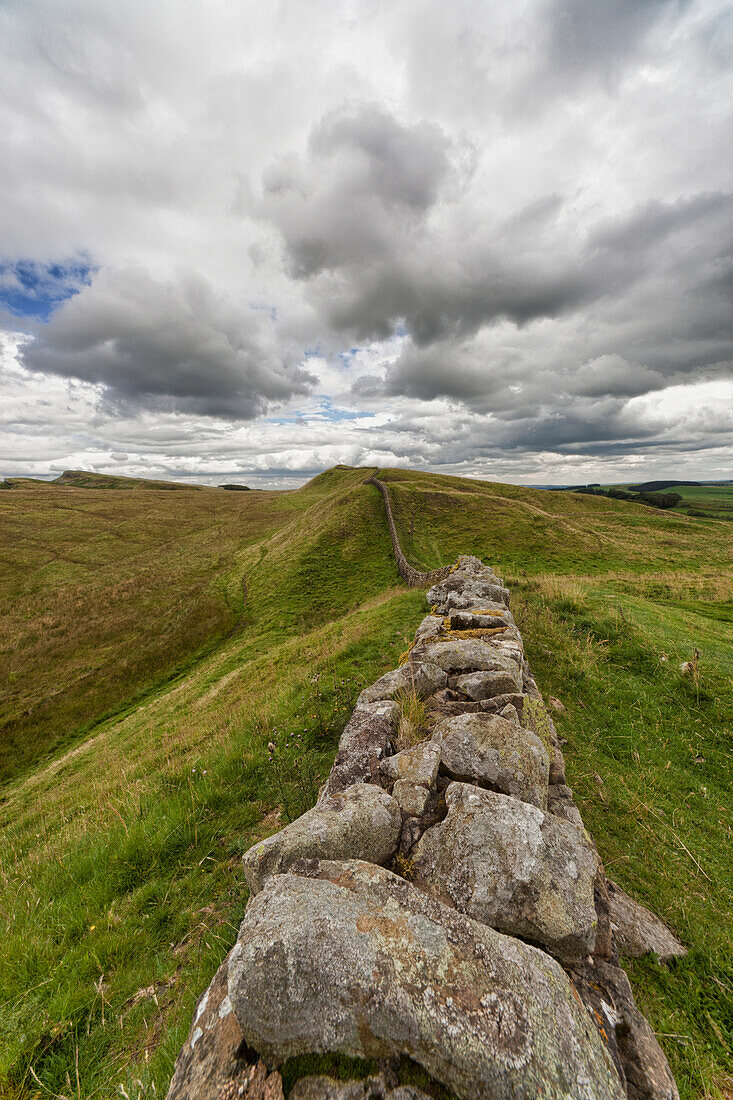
x,y
251,240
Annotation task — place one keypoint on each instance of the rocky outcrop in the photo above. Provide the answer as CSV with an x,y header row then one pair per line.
x,y
441,903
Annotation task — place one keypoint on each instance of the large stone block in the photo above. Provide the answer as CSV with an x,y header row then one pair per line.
x,y
470,655
420,679
366,740
513,867
354,959
486,685
488,750
362,822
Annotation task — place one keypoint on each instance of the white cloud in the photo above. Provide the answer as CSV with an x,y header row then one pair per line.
x,y
489,239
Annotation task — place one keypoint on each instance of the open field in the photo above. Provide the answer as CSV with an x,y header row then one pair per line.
x,y
716,501
119,855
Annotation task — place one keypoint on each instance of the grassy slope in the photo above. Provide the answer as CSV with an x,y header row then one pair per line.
x,y
119,860
102,597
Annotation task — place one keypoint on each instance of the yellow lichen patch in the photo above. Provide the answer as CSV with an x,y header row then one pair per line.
x,y
488,611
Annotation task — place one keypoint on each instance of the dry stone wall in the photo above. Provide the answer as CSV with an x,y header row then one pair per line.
x,y
411,576
442,901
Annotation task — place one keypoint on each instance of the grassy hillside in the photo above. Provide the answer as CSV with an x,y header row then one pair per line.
x,y
101,598
119,857
85,479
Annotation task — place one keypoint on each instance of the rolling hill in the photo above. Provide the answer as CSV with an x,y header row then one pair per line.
x,y
144,690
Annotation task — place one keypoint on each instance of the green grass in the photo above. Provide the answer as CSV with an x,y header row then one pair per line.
x,y
120,880
715,501
103,595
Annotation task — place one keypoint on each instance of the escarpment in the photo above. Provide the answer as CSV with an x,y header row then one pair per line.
x,y
442,901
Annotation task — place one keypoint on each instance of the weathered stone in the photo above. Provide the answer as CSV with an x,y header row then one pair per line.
x,y
605,990
485,685
448,703
487,750
430,627
362,822
509,714
557,765
637,931
418,764
480,619
422,679
510,866
560,802
366,740
498,702
213,1063
411,797
355,960
470,654
371,1088
463,590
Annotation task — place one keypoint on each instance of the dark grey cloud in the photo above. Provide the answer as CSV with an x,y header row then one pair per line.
x,y
174,344
596,37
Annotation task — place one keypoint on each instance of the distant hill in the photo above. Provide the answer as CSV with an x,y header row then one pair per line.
x,y
659,486
85,479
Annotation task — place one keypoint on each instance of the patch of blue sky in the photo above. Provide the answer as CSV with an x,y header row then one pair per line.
x,y
347,357
32,289
325,410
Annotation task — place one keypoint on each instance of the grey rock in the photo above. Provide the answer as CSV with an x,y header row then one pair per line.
x,y
487,750
560,802
464,589
637,931
353,959
480,619
604,988
470,655
366,740
418,764
498,702
509,865
213,1063
430,627
362,822
411,797
371,1088
485,685
509,714
422,679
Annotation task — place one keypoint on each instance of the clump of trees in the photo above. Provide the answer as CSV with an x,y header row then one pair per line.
x,y
653,500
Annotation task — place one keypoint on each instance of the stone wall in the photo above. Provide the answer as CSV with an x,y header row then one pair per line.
x,y
441,902
412,577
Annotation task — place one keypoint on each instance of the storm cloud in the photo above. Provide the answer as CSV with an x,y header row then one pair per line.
x,y
491,239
